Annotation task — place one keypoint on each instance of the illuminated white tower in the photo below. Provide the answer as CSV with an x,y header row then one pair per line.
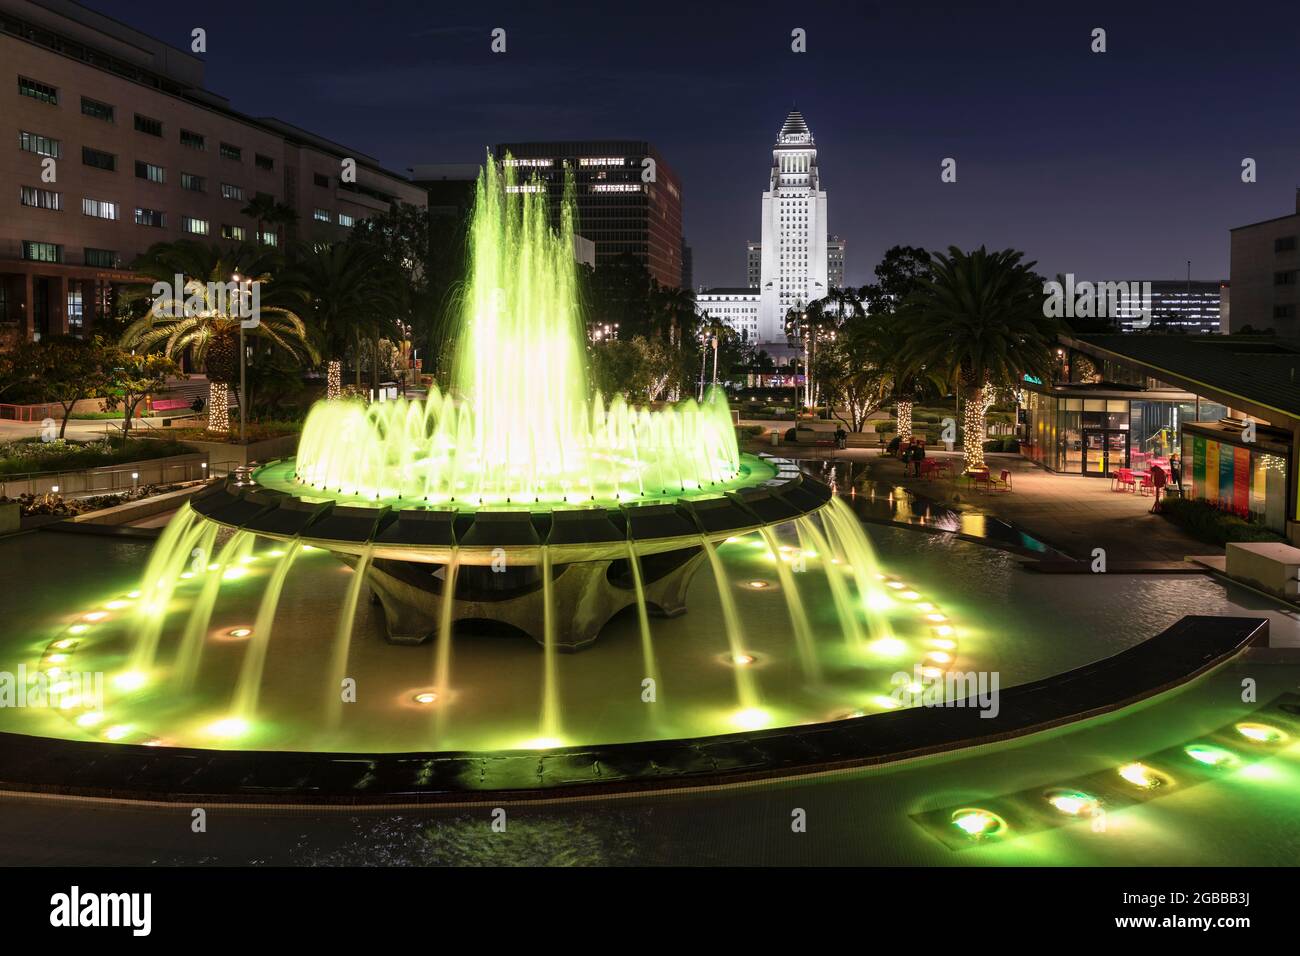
x,y
793,270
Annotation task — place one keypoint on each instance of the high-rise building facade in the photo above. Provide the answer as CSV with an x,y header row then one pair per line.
x,y
118,147
1176,305
793,270
835,249
1265,275
629,201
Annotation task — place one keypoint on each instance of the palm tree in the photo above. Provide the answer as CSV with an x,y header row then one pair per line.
x,y
978,321
284,218
261,209
353,298
199,319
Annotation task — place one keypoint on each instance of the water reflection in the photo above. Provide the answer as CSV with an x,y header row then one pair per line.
x,y
881,501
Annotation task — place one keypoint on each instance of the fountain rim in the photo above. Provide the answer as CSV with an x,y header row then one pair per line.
x,y
1163,665
477,534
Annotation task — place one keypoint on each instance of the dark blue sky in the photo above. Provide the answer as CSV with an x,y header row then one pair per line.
x,y
1118,165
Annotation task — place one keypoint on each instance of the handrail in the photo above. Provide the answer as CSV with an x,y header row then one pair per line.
x,y
195,469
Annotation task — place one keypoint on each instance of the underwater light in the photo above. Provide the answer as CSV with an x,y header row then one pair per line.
x,y
90,719
425,697
118,731
877,601
943,630
542,743
239,633
1073,802
909,595
64,644
887,646
214,566
931,671
886,702
758,585
276,553
57,658
751,718
116,605
77,629
939,657
896,585
943,643
978,824
186,575
1142,776
231,574
228,727
133,594
131,680
1211,756
95,616
925,606
743,660
1261,733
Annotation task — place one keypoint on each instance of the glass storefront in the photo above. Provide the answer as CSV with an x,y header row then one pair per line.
x,y
1249,482
1088,435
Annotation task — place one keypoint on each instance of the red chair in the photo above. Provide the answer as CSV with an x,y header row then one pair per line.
x,y
1002,482
1123,478
1147,485
979,476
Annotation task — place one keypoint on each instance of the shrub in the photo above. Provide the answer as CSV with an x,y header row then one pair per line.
x,y
36,455
1207,523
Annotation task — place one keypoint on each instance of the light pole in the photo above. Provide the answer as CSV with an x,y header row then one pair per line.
x,y
715,359
243,361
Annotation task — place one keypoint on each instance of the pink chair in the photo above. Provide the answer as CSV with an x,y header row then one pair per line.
x,y
1123,478
1148,485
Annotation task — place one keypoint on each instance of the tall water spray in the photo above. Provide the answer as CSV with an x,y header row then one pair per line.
x,y
519,424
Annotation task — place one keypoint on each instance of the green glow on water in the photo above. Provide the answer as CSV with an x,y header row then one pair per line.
x,y
518,424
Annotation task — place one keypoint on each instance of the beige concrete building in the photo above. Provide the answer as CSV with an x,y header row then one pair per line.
x,y
1264,265
114,145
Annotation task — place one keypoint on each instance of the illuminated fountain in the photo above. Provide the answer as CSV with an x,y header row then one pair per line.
x,y
514,500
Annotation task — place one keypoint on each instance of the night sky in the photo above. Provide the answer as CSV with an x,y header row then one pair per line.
x,y
1115,165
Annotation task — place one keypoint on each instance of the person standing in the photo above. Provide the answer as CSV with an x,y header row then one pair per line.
x,y
918,456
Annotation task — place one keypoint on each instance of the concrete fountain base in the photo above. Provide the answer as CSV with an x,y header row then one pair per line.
x,y
585,595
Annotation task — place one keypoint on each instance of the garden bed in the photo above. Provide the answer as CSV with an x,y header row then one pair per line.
x,y
33,455
1206,523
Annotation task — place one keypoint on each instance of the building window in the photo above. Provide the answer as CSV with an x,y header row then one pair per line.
x,y
233,232
1284,311
76,311
99,208
103,258
230,152
345,219
38,91
144,124
41,198
1284,278
232,192
150,217
193,140
195,184
98,159
1284,244
270,239
42,251
198,227
321,215
322,181
96,109
263,162
4,304
155,174
40,145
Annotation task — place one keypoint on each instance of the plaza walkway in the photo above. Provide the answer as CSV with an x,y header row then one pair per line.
x,y
1071,513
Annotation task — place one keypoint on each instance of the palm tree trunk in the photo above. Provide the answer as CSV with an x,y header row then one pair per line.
x,y
905,420
218,406
973,428
333,379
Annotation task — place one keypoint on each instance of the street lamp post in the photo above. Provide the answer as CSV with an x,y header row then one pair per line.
x,y
243,363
